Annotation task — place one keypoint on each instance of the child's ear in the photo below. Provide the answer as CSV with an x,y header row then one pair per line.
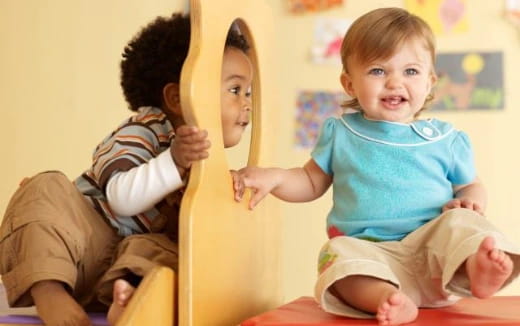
x,y
171,98
346,82
433,80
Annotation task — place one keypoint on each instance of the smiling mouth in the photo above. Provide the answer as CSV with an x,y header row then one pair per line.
x,y
394,100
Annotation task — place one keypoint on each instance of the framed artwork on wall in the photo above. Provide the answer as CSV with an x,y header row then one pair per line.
x,y
469,81
443,16
312,108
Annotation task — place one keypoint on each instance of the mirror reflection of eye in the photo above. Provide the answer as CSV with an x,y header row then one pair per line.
x,y
238,87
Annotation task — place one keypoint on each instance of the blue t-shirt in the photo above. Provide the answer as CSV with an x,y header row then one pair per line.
x,y
390,178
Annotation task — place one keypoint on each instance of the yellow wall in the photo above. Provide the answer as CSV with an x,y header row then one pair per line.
x,y
60,95
59,81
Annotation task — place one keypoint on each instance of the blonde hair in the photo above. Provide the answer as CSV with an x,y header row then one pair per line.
x,y
378,34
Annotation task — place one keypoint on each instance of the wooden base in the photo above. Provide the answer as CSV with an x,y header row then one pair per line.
x,y
152,304
305,311
153,301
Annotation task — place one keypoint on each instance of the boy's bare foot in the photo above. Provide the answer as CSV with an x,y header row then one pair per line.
x,y
122,293
56,307
396,309
488,269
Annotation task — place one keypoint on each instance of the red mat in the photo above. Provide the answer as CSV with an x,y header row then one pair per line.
x,y
305,312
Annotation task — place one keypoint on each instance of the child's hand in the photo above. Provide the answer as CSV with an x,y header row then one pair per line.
x,y
238,185
190,145
261,181
463,203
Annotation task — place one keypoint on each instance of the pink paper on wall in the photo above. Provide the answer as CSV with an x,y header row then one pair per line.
x,y
328,35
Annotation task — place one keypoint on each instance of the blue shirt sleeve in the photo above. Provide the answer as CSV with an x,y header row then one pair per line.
x,y
462,170
322,152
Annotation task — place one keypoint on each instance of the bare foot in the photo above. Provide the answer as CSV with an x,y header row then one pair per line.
x,y
488,269
56,307
396,309
122,294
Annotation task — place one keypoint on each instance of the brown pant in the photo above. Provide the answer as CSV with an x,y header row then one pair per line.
x,y
51,232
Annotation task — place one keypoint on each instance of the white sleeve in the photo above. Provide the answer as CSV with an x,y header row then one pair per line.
x,y
140,188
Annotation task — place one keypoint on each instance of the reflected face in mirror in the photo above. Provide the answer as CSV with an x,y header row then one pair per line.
x,y
235,95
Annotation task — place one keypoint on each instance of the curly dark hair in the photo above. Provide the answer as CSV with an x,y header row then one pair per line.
x,y
154,58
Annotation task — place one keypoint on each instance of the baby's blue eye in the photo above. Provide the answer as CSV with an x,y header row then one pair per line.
x,y
376,71
411,72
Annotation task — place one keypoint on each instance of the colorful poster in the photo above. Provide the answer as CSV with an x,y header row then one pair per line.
x,y
443,16
469,81
312,108
304,6
328,35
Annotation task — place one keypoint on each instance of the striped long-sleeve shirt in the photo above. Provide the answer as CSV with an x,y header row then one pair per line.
x,y
137,154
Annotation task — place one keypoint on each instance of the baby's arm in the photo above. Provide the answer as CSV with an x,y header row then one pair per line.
x,y
472,196
140,188
293,185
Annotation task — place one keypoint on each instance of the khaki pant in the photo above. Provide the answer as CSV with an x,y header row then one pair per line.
x,y
423,265
51,232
